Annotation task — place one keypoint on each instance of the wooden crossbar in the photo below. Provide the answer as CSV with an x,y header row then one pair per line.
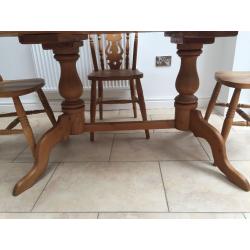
x,y
133,125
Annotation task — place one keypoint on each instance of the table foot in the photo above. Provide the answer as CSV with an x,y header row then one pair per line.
x,y
53,136
201,128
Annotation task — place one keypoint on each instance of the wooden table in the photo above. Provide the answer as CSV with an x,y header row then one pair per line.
x,y
65,46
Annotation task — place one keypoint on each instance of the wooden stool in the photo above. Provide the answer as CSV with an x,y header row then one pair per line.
x,y
238,81
114,66
14,89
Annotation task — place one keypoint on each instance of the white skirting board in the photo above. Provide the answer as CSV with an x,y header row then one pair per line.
x,y
31,102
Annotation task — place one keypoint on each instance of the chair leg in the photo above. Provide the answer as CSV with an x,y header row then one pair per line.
x,y
93,107
142,104
46,106
133,98
100,97
213,100
230,114
25,124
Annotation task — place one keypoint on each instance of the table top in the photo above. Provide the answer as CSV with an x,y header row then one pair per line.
x,y
71,36
181,37
167,33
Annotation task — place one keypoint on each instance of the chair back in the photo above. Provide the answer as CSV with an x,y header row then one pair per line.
x,y
113,51
1,79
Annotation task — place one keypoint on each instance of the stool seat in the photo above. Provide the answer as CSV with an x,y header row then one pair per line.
x,y
234,79
20,87
122,74
14,89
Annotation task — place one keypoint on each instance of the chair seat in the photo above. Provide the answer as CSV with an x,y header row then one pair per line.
x,y
235,79
123,74
20,87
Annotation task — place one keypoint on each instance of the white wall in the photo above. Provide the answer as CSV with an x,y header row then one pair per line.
x,y
15,59
242,62
16,63
158,83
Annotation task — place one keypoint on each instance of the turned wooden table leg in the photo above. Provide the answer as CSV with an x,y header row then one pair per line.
x,y
72,120
187,83
201,128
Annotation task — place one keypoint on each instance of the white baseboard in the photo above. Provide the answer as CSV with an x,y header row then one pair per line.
x,y
32,102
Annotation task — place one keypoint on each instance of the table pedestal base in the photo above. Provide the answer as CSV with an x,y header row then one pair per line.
x,y
63,129
201,128
53,136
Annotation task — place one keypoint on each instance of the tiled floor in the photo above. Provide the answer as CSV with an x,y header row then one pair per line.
x,y
122,175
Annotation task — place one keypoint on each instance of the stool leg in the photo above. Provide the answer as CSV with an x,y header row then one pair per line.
x,y
142,104
46,106
100,97
92,107
230,114
25,124
213,100
133,98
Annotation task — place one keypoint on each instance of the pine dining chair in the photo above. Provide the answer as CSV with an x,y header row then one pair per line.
x,y
113,63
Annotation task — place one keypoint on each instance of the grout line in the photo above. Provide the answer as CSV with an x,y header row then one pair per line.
x,y
165,192
204,150
124,212
39,196
19,154
113,140
153,161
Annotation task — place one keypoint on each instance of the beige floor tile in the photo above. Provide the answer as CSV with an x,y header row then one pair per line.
x,y
10,173
237,145
107,115
40,123
197,186
11,146
216,121
77,149
125,119
247,215
120,116
164,117
93,187
48,215
128,113
171,216
161,111
161,146
244,129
